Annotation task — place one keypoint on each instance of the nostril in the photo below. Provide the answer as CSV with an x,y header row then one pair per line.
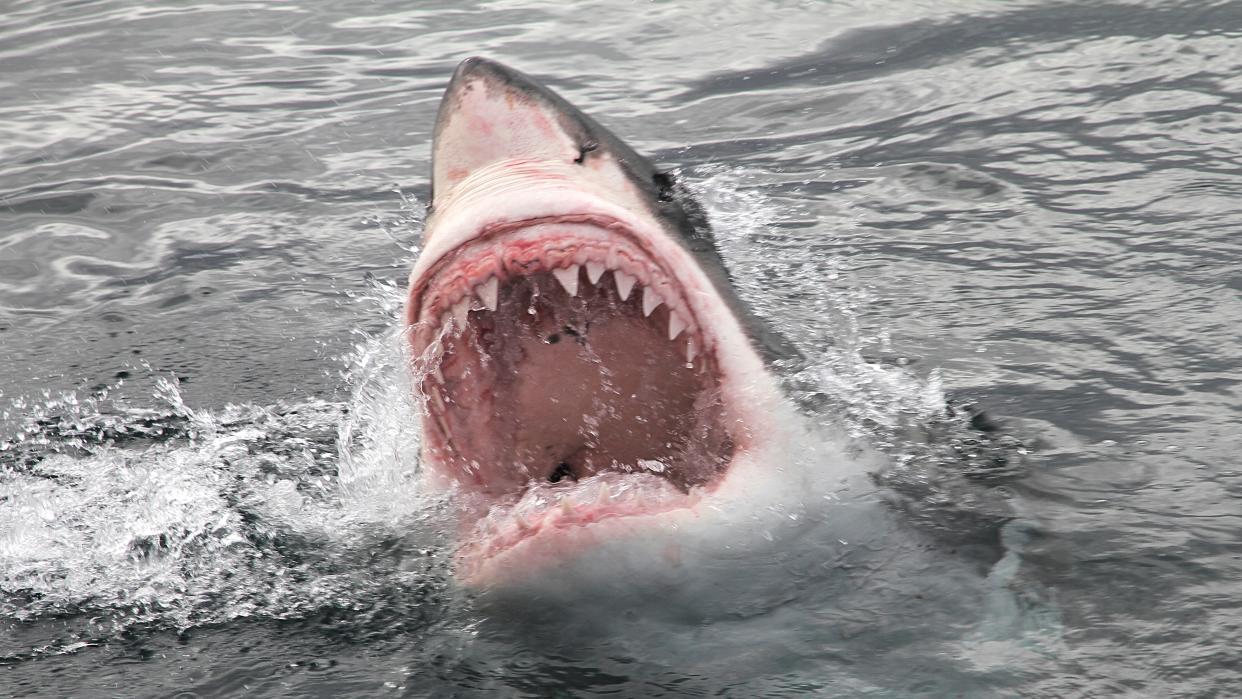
x,y
561,472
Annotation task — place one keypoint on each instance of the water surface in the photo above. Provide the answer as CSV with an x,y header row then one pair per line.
x,y
207,212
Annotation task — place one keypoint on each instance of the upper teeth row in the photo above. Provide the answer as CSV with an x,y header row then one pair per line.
x,y
489,291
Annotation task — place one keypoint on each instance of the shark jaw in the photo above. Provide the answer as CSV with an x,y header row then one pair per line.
x,y
585,377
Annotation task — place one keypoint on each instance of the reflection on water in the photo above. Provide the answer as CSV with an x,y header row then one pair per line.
x,y
1028,206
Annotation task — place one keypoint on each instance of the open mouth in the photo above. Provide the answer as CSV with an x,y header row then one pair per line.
x,y
567,376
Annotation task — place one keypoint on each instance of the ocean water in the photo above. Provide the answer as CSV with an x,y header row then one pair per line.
x,y
208,446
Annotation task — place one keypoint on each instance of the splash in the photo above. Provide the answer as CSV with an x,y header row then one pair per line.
x,y
115,516
805,284
239,514
803,274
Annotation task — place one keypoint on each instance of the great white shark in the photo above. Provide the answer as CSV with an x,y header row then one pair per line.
x,y
589,372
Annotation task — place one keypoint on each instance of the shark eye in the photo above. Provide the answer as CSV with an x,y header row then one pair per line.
x,y
664,186
583,150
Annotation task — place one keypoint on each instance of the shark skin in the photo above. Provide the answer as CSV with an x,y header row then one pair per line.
x,y
588,373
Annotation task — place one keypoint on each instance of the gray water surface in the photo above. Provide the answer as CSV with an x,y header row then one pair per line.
x,y
207,211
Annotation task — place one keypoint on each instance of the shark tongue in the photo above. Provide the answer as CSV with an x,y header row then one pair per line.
x,y
544,506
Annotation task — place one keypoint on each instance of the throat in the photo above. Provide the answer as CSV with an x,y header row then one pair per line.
x,y
594,389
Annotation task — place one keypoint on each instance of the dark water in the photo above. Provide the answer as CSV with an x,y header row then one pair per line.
x,y
1029,205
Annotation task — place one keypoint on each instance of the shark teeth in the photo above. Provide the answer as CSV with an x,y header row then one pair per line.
x,y
675,323
459,312
651,299
625,283
455,318
568,277
488,292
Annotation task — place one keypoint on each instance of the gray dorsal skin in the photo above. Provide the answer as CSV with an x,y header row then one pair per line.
x,y
668,201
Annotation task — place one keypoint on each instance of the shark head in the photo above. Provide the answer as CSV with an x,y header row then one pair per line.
x,y
587,368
